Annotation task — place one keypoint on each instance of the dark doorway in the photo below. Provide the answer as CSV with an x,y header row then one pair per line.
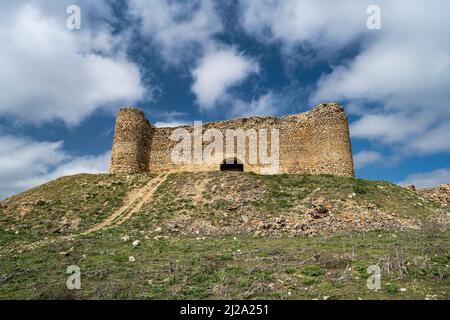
x,y
232,165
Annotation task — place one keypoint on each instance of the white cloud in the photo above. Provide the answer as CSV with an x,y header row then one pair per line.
x,y
170,119
435,139
422,133
428,179
81,164
219,71
398,82
185,33
49,72
265,105
389,128
171,124
180,29
26,163
322,24
366,157
404,72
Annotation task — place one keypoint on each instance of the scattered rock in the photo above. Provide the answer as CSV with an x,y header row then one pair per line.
x,y
40,203
136,243
67,253
319,211
125,238
441,194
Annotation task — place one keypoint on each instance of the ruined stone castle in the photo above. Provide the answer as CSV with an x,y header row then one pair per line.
x,y
314,142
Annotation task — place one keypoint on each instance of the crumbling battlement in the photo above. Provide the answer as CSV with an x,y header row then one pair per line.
x,y
314,142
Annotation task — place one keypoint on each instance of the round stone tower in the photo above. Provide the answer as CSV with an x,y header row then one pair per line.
x,y
132,141
333,147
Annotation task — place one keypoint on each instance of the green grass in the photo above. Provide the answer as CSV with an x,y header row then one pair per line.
x,y
313,271
292,189
67,205
225,198
186,264
254,268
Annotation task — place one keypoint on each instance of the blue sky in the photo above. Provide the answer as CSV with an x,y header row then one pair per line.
x,y
210,60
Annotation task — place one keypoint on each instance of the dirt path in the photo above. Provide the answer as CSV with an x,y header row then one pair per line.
x,y
133,204
135,200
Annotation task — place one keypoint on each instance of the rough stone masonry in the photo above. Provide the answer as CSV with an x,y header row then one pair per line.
x,y
314,142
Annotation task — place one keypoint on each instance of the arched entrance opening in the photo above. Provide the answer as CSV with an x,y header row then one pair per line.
x,y
232,164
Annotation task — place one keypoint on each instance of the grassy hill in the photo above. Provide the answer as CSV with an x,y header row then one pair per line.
x,y
223,235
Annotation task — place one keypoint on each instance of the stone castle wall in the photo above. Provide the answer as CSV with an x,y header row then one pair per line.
x,y
315,142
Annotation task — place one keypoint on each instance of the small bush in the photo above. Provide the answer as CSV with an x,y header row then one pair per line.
x,y
226,257
359,188
262,275
290,270
392,288
308,281
313,271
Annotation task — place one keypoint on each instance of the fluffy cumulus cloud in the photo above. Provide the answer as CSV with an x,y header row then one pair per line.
x,y
26,163
265,105
397,83
403,71
367,157
428,179
186,33
321,24
218,71
180,30
51,73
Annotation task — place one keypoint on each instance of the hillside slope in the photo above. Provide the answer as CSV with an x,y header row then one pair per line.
x,y
222,235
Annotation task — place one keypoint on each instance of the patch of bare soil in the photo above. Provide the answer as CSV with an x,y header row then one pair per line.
x,y
135,200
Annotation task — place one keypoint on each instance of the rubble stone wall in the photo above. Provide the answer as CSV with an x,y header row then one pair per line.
x,y
315,142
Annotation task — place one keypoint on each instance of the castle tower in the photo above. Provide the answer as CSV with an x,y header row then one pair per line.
x,y
132,140
333,149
